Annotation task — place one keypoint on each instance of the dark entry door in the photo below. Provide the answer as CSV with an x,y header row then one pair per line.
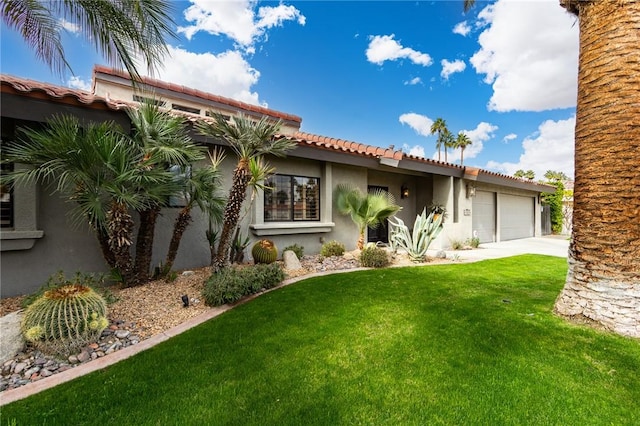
x,y
381,233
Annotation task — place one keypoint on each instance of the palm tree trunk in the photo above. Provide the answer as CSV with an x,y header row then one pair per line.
x,y
180,225
237,194
603,282
120,226
107,253
461,156
144,244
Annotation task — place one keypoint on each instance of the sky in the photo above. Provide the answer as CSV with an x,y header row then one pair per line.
x,y
376,72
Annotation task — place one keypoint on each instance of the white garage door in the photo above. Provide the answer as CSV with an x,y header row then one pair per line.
x,y
516,217
484,216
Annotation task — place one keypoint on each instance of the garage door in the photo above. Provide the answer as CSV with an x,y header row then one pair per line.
x,y
484,216
516,217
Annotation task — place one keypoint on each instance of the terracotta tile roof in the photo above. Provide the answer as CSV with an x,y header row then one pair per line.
x,y
39,89
360,148
207,97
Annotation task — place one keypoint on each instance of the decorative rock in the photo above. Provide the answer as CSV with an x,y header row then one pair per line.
x,y
187,273
84,356
73,359
19,367
45,373
291,261
122,334
441,254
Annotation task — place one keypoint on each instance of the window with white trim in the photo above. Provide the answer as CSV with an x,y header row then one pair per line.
x,y
290,198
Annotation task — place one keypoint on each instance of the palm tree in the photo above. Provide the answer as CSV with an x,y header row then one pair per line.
x,y
164,143
604,255
448,141
200,188
366,210
123,31
462,142
248,139
439,126
98,169
603,282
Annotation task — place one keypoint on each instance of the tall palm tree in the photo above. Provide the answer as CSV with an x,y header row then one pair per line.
x,y
439,126
248,139
366,210
123,31
448,141
462,142
603,282
164,143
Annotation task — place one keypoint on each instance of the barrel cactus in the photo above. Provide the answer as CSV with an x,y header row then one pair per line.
x,y
264,251
65,319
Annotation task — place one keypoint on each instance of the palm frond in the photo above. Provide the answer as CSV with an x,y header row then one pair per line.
x,y
39,28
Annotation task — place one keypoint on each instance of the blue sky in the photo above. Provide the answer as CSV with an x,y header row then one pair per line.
x,y
377,72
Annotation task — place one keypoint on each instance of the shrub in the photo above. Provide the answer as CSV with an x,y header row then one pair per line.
x,y
298,250
64,319
374,257
332,248
231,284
264,251
457,245
474,242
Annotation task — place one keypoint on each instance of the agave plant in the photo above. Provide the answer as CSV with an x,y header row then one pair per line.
x,y
416,244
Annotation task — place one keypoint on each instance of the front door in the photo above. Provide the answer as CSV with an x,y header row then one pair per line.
x,y
381,233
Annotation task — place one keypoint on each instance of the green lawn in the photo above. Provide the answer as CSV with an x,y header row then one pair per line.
x,y
445,344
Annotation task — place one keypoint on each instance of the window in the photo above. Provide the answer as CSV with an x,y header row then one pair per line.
x,y
6,200
143,99
291,198
179,107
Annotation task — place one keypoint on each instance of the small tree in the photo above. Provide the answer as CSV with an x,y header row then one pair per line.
x,y
366,210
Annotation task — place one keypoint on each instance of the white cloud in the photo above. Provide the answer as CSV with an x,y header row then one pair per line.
x,y
416,150
237,20
509,137
550,148
462,28
449,68
413,81
529,53
483,132
78,83
385,48
420,123
226,74
70,26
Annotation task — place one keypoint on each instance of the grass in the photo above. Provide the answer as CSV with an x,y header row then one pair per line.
x,y
444,344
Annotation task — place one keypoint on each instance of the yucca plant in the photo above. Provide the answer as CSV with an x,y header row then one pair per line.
x,y
416,244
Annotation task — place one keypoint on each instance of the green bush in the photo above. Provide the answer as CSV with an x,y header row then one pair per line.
x,y
374,257
332,248
231,284
474,242
298,250
64,319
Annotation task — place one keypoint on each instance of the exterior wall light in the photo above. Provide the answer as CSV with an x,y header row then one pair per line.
x,y
471,191
404,191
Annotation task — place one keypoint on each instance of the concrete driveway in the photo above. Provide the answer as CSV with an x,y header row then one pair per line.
x,y
552,245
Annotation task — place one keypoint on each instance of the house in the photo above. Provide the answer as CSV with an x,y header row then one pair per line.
x,y
37,239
